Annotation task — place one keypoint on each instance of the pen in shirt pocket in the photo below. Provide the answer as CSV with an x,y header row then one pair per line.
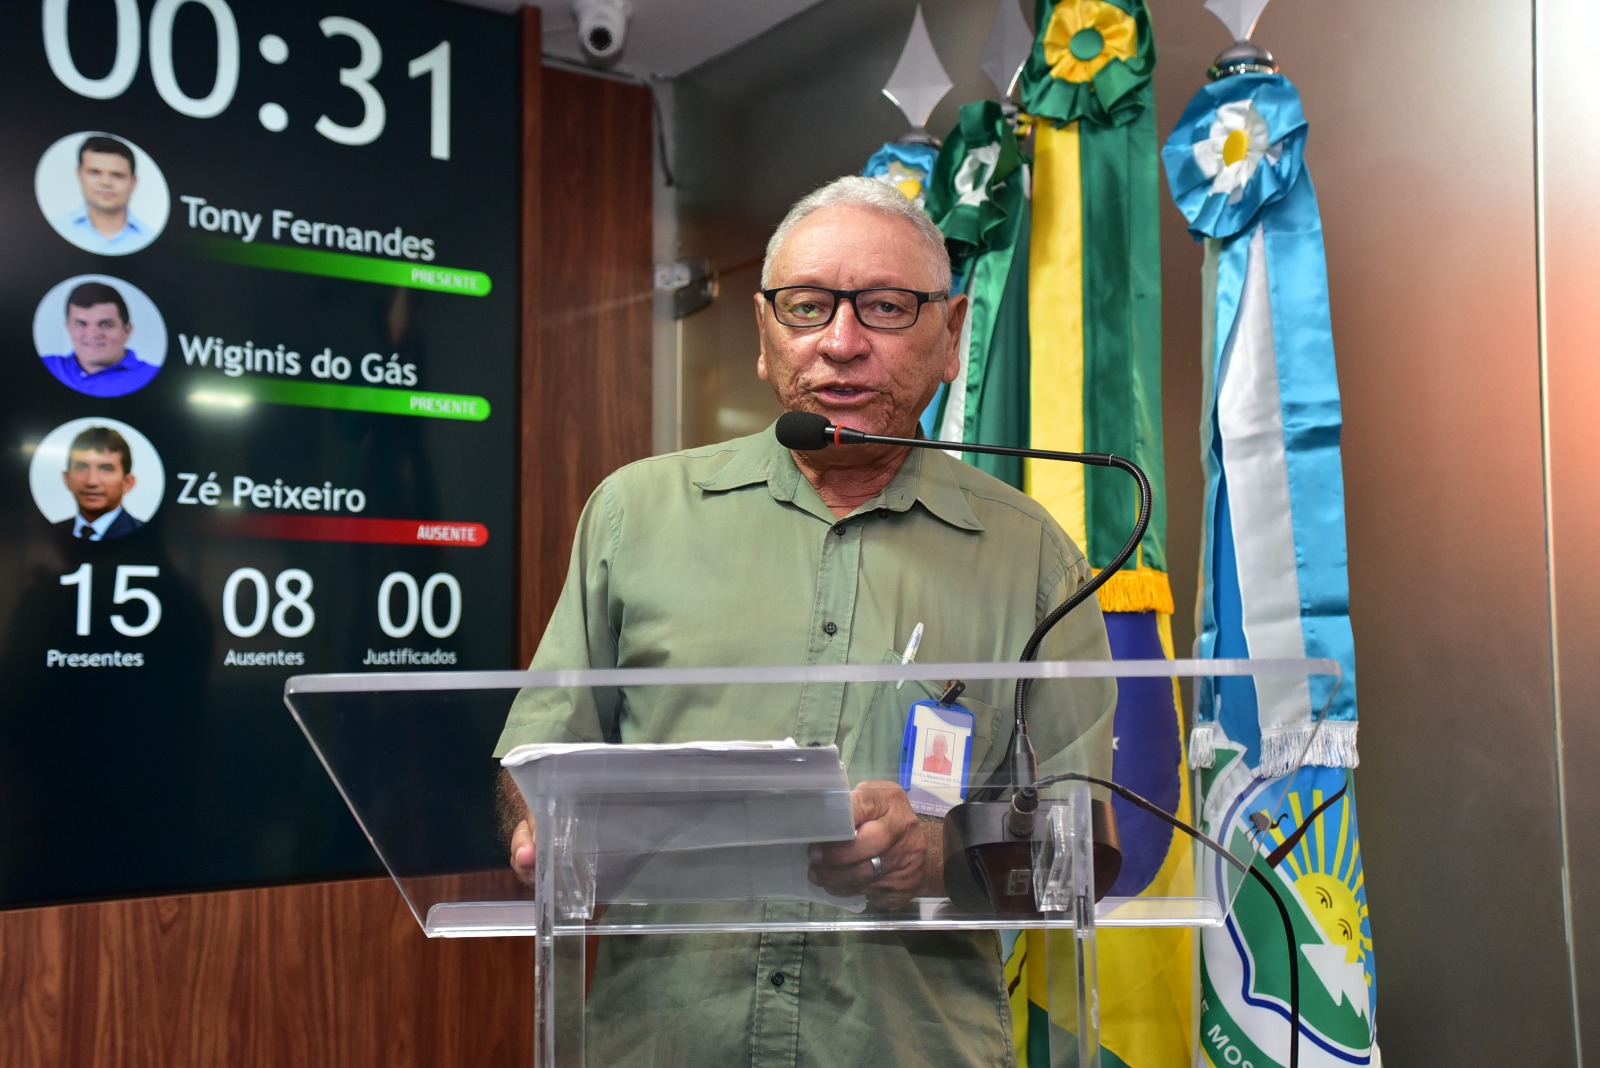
x,y
911,649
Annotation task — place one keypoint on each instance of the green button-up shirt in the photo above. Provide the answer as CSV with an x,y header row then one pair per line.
x,y
725,555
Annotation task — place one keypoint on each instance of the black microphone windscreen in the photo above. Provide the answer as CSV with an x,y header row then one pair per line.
x,y
805,431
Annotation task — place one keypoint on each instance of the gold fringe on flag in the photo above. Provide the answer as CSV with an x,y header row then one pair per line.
x,y
1140,589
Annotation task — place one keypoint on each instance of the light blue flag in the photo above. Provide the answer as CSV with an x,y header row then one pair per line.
x,y
1270,428
1276,753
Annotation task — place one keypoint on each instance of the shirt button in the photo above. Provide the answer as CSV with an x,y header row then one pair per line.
x,y
883,513
838,528
777,978
830,628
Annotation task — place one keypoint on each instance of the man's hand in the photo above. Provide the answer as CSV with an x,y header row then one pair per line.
x,y
522,852
516,826
888,829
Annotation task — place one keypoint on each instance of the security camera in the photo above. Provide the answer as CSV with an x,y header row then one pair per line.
x,y
602,28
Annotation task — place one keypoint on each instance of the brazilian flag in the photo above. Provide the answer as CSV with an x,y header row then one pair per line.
x,y
1061,262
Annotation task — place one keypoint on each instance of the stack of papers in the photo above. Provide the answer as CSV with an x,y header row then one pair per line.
x,y
709,821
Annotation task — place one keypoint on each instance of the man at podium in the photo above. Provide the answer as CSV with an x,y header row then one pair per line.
x,y
748,553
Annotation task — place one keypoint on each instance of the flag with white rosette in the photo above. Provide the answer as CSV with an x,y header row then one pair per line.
x,y
1275,753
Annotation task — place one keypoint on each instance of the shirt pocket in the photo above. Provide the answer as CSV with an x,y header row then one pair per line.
x,y
870,748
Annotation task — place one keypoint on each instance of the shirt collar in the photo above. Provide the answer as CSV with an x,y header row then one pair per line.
x,y
763,461
926,476
99,526
131,223
929,476
129,359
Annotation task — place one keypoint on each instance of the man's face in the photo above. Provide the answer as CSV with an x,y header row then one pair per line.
x,y
97,480
99,336
107,181
878,381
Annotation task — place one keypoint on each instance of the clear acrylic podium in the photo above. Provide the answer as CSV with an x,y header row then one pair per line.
x,y
711,840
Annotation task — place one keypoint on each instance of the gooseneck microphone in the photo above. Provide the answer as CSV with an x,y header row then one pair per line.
x,y
986,841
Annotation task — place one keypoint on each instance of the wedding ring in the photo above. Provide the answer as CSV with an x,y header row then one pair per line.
x,y
877,867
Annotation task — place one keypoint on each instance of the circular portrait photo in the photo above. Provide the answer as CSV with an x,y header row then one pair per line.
x,y
99,335
96,479
101,192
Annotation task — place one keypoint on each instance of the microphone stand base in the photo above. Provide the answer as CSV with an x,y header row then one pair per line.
x,y
988,868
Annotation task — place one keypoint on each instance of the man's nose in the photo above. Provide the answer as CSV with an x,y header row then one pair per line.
x,y
845,338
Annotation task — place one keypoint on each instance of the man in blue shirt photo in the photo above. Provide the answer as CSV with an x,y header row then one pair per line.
x,y
104,224
100,363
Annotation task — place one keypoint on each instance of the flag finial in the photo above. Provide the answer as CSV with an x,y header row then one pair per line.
x,y
919,80
1007,49
1242,57
1239,16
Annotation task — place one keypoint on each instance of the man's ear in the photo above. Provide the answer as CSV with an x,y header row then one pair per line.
x,y
955,319
761,354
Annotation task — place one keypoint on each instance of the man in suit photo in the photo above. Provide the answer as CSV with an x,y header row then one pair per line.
x,y
99,474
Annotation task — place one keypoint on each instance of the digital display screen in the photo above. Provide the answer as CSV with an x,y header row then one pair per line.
x,y
259,414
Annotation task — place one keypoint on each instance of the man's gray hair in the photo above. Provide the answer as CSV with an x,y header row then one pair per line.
x,y
867,193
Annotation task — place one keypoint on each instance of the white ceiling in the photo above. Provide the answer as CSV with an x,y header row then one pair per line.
x,y
664,38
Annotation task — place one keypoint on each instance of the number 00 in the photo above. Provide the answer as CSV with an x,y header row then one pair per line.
x,y
418,604
125,60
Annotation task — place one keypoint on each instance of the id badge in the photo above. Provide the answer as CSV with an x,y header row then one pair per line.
x,y
935,755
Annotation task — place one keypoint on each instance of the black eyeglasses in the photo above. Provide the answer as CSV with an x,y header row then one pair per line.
x,y
880,308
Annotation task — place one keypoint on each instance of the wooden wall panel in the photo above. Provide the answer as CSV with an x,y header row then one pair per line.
x,y
321,974
586,395
530,549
